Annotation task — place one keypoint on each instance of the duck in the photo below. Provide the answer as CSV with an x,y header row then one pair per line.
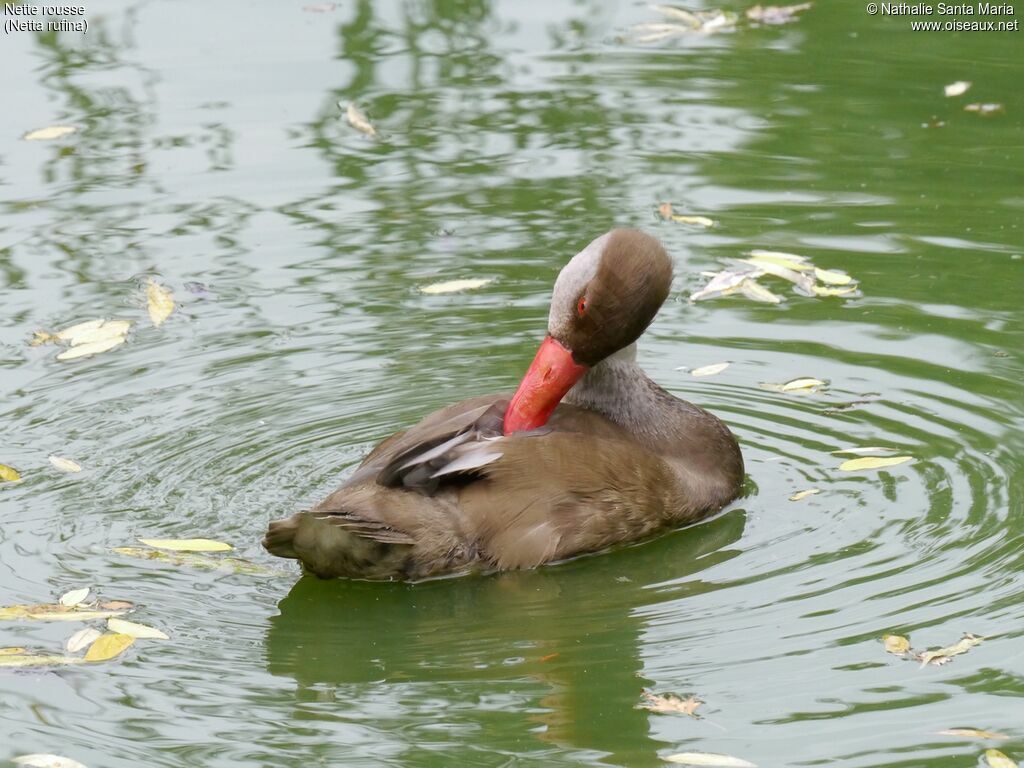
x,y
586,454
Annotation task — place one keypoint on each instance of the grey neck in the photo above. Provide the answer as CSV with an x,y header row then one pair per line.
x,y
618,389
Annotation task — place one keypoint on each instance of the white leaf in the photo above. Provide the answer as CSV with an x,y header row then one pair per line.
x,y
49,133
47,761
132,629
92,348
709,758
709,370
74,597
959,88
454,286
81,639
65,465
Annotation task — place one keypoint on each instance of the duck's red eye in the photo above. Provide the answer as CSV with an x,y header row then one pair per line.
x,y
581,306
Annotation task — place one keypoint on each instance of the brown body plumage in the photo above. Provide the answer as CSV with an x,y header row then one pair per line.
x,y
485,485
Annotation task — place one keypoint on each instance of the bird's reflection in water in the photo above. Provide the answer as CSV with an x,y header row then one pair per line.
x,y
562,642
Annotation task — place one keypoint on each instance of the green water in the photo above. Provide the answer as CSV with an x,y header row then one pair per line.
x,y
210,149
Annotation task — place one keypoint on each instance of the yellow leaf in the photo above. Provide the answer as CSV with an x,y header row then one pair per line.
x,y
709,370
668,703
972,733
839,291
358,120
831,277
41,337
206,562
780,259
160,302
81,639
140,631
92,348
65,465
942,655
454,286
72,331
804,494
49,133
754,290
108,645
12,651
74,597
896,644
709,758
872,462
997,759
799,384
34,660
9,474
108,330
53,613
188,545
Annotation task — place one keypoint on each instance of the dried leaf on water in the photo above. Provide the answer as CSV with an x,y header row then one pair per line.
x,y
959,88
997,759
358,120
46,612
725,282
896,644
454,286
65,465
803,385
984,109
709,370
865,451
872,462
943,655
49,133
757,292
9,474
832,277
12,651
140,631
159,302
803,281
780,259
775,14
72,332
670,704
46,761
666,212
93,331
683,23
824,291
204,562
709,758
74,597
37,660
804,494
188,545
92,348
108,645
81,639
972,733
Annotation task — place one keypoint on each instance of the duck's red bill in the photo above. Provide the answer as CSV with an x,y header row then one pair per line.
x,y
551,374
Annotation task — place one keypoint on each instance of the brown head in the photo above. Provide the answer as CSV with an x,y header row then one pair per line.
x,y
603,300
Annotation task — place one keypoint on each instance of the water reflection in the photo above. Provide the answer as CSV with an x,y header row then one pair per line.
x,y
562,645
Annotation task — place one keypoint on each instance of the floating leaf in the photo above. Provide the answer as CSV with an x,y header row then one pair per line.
x,y
805,384
92,348
109,330
670,704
205,562
666,212
959,88
775,14
725,282
709,758
12,651
865,451
132,629
72,332
972,733
108,645
47,761
117,605
41,337
709,370
804,494
74,597
984,109
942,655
872,462
754,290
159,302
9,474
832,277
65,465
81,639
826,291
49,133
48,612
454,286
803,281
358,120
896,644
37,660
997,759
188,545
780,259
